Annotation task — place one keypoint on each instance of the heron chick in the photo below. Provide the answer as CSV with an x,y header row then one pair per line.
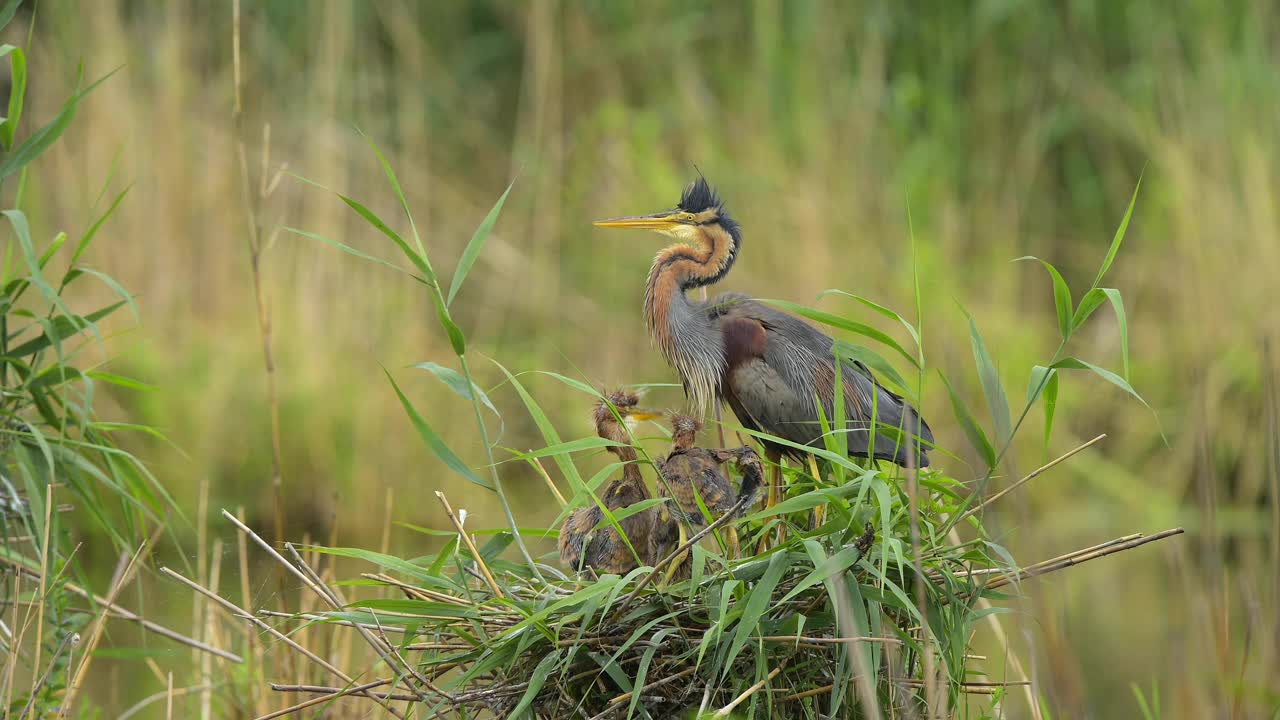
x,y
585,545
692,474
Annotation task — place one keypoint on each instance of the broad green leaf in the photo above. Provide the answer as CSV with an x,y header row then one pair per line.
x,y
58,241
758,602
991,387
389,562
575,384
63,328
1044,382
111,283
812,499
1122,324
548,430
121,381
472,251
404,204
1050,405
973,431
382,227
457,340
1119,236
833,565
97,224
873,360
433,441
1061,297
572,446
1090,302
1073,363
17,83
410,606
7,12
457,383
845,324
40,140
348,249
911,329
540,674
622,513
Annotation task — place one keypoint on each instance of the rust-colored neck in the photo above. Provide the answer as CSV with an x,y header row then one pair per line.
x,y
610,429
685,336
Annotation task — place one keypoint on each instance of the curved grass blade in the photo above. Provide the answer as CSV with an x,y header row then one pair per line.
x,y
457,383
757,604
1119,236
348,249
472,251
911,329
836,321
1061,296
418,261
42,139
991,387
433,441
972,430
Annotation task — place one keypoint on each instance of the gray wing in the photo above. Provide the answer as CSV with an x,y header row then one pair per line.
x,y
778,364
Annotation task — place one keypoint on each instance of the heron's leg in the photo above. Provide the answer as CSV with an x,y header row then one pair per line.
x,y
675,564
776,489
732,548
819,511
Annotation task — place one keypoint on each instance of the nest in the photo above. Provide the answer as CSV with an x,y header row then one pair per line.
x,y
876,606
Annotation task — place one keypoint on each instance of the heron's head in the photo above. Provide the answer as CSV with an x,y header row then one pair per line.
x,y
700,210
627,404
684,430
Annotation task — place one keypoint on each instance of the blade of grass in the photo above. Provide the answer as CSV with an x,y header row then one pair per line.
x,y
472,251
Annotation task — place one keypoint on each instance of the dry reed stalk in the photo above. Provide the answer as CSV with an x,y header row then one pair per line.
x,y
384,648
542,472
241,613
657,683
327,697
163,694
1084,556
123,576
310,617
833,641
44,573
333,691
488,576
255,244
1034,473
724,711
15,643
210,630
422,593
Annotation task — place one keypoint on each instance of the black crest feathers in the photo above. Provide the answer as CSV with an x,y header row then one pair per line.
x,y
699,196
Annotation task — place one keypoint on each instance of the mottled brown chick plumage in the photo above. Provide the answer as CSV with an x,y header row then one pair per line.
x,y
692,473
604,550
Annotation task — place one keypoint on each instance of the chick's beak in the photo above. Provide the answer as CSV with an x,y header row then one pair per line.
x,y
642,414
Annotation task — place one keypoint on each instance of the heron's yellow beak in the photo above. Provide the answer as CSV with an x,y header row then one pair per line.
x,y
665,220
643,414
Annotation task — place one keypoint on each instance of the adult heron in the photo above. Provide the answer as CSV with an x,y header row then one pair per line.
x,y
772,368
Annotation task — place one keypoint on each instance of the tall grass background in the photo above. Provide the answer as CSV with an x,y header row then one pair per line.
x,y
1006,128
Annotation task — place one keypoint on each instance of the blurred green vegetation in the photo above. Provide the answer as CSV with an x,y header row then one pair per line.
x,y
1006,128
